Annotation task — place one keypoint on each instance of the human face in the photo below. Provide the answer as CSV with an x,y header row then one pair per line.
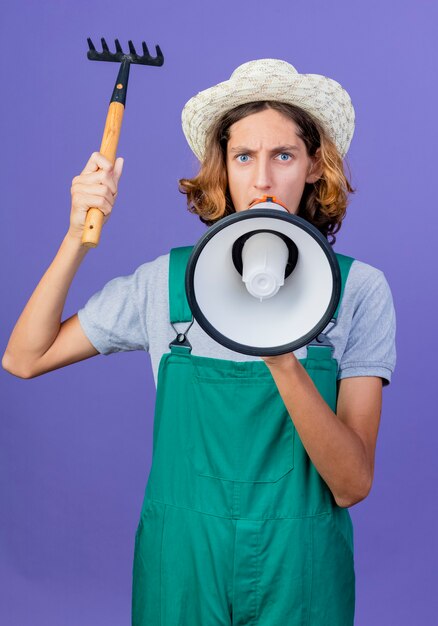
x,y
265,156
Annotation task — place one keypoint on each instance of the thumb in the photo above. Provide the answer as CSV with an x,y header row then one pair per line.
x,y
118,167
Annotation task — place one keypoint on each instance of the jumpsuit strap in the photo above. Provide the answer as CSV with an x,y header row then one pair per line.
x,y
345,263
321,348
179,310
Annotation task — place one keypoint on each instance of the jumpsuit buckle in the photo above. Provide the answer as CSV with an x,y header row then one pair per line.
x,y
322,340
181,338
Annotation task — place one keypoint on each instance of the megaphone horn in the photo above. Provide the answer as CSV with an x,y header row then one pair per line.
x,y
263,282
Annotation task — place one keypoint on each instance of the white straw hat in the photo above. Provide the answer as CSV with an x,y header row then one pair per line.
x,y
271,79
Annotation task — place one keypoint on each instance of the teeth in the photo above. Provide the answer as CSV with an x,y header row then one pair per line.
x,y
131,48
104,45
90,44
145,49
118,46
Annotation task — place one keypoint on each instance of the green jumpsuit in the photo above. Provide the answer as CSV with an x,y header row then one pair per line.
x,y
237,526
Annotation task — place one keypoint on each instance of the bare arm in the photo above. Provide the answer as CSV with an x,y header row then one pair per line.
x,y
39,341
342,444
33,341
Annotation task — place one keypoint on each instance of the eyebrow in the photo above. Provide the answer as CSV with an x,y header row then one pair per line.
x,y
276,149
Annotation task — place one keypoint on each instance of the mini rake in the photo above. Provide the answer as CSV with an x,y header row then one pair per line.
x,y
111,133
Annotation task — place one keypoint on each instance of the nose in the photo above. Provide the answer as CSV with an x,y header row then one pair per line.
x,y
262,175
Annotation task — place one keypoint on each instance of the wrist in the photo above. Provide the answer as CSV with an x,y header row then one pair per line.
x,y
74,242
282,362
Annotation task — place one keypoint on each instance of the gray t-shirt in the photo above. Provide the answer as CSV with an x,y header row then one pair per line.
x,y
132,313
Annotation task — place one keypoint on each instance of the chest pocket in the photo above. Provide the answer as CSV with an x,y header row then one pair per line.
x,y
238,428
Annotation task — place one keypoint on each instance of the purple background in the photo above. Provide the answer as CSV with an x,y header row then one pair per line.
x,y
76,443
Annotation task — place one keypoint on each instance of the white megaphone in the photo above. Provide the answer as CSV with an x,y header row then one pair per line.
x,y
263,281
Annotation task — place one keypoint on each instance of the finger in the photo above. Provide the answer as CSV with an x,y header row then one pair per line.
x,y
118,168
87,201
95,190
97,161
102,177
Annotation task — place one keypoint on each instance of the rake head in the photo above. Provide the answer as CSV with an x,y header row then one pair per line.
x,y
120,56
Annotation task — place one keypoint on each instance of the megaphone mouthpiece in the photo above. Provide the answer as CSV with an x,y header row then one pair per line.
x,y
264,259
268,202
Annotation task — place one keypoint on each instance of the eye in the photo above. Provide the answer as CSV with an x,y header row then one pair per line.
x,y
242,158
285,156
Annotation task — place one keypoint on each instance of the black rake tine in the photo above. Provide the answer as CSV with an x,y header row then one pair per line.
x,y
119,55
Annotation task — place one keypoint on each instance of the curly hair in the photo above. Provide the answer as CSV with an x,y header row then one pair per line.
x,y
323,203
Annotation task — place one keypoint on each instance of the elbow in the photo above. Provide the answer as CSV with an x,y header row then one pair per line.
x,y
13,368
348,500
346,503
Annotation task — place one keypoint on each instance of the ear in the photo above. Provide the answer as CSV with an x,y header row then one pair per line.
x,y
315,168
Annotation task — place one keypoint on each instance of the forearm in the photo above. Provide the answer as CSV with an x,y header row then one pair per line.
x,y
335,449
39,323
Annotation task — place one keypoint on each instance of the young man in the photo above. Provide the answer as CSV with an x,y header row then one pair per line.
x,y
256,461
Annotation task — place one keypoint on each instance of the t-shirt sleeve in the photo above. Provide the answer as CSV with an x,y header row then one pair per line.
x,y
114,318
370,348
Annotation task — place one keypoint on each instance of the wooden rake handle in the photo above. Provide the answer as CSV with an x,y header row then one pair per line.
x,y
108,147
